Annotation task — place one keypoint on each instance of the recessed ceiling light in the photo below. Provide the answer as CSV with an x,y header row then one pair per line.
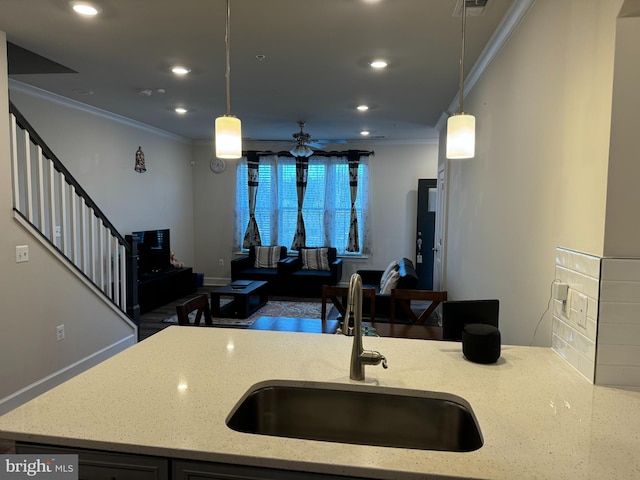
x,y
362,108
85,8
379,63
181,110
365,133
180,70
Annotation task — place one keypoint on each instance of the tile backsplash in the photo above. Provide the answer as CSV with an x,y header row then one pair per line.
x,y
604,345
574,336
618,358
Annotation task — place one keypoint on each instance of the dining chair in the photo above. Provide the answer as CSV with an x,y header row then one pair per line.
x,y
198,304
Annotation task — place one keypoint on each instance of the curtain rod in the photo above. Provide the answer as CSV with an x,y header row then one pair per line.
x,y
318,153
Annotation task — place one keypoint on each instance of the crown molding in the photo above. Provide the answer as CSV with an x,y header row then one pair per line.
x,y
508,25
91,110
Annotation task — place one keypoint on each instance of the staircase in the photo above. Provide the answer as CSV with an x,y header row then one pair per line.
x,y
49,202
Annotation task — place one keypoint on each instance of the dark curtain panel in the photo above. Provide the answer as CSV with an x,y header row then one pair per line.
x,y
252,234
302,174
354,241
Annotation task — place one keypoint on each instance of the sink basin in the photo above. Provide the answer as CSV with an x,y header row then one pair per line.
x,y
358,414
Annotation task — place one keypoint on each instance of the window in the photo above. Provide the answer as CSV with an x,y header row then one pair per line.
x,y
326,208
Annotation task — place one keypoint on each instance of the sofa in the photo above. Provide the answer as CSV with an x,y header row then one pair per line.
x,y
301,276
399,275
305,274
266,269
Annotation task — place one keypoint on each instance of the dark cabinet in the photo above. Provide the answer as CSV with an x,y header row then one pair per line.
x,y
96,465
192,470
164,287
100,465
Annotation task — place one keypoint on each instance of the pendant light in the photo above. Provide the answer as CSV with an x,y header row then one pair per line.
x,y
228,130
461,127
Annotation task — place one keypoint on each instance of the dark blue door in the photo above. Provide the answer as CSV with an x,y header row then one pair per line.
x,y
425,232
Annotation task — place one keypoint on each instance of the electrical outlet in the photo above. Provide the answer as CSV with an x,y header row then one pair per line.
x,y
22,253
60,332
221,262
58,231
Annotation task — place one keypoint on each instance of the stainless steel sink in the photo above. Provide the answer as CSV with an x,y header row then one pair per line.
x,y
358,414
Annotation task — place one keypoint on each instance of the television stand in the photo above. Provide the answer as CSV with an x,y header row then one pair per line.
x,y
157,289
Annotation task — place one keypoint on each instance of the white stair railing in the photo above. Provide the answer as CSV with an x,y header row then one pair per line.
x,y
47,196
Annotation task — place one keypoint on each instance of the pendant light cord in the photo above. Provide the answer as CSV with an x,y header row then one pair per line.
x,y
227,42
464,21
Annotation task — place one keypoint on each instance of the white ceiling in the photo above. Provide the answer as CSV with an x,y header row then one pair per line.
x,y
315,66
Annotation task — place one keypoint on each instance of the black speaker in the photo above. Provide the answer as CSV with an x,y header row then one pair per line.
x,y
481,343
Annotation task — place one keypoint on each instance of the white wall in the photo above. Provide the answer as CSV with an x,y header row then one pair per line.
x,y
393,180
99,151
622,232
37,296
538,181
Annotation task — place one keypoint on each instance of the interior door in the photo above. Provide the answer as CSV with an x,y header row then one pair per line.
x,y
438,249
425,231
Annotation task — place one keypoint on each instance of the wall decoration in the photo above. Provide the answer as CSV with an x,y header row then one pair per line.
x,y
217,165
140,166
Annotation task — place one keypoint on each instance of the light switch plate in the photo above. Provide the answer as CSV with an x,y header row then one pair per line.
x,y
22,253
581,308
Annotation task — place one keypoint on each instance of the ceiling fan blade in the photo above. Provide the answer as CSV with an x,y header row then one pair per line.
x,y
331,141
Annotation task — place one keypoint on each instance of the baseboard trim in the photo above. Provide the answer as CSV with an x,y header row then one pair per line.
x,y
37,388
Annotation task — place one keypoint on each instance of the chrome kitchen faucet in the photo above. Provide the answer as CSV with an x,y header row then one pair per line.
x,y
359,356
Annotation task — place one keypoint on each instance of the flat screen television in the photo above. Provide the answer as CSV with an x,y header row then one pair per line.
x,y
458,313
154,251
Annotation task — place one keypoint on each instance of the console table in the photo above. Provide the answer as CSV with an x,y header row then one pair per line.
x,y
164,287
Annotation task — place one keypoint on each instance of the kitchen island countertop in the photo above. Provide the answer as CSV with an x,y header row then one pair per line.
x,y
170,395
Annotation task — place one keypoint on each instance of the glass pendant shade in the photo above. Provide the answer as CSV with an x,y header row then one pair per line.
x,y
301,151
228,137
461,136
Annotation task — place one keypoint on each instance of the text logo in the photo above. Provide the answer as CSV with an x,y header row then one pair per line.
x,y
51,467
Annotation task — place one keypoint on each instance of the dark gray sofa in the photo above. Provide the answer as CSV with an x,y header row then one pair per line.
x,y
371,279
308,283
243,268
289,278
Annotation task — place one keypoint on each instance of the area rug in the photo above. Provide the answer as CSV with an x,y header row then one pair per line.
x,y
273,308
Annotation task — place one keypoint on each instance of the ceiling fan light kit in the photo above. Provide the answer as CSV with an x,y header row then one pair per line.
x,y
301,151
302,148
461,127
228,129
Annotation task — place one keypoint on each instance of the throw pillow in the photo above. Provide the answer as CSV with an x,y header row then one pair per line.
x,y
267,257
390,283
315,258
392,266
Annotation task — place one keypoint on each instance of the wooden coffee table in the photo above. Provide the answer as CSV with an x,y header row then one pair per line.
x,y
247,297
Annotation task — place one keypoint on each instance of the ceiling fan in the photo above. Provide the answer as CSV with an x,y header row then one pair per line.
x,y
303,143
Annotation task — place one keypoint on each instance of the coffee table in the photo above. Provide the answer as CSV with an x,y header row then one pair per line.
x,y
247,297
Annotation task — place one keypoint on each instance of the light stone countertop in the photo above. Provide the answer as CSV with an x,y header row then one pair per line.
x,y
170,395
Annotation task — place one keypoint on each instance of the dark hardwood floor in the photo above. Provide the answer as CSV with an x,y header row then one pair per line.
x,y
152,322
